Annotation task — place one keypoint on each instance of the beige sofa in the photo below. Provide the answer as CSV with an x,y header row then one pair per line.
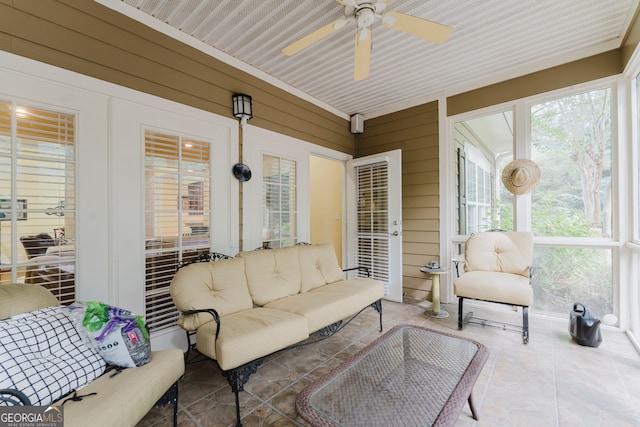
x,y
120,400
245,308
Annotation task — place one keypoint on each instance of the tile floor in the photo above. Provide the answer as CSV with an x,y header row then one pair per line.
x,y
549,382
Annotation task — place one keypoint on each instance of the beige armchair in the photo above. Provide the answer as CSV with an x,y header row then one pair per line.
x,y
497,269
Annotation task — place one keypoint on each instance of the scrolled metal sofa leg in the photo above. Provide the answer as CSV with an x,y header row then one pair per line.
x,y
237,378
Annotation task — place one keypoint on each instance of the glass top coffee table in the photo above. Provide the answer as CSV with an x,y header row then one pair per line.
x,y
410,376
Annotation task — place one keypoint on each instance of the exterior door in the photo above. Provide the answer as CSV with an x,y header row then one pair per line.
x,y
375,218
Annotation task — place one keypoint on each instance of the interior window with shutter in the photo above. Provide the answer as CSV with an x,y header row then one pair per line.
x,y
177,216
37,198
478,191
279,202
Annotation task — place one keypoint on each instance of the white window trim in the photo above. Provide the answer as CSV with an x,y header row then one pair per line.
x,y
450,239
258,141
104,273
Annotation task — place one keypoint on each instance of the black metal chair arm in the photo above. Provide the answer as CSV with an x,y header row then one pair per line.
x,y
211,311
213,314
456,263
533,270
366,269
12,397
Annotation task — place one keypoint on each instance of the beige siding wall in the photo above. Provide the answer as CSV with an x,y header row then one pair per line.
x,y
576,72
415,131
86,37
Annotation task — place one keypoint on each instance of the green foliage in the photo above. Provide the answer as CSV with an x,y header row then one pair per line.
x,y
568,275
552,219
503,217
571,140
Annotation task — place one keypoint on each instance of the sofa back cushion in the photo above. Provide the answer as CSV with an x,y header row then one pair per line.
x,y
318,266
20,298
221,285
272,273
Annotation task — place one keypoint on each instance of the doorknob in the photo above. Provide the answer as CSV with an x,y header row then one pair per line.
x,y
395,233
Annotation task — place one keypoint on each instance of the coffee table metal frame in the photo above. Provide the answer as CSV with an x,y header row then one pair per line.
x,y
411,370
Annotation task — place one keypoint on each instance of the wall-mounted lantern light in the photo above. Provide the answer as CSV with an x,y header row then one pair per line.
x,y
242,107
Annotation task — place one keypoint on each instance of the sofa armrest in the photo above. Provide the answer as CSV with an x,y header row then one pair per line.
x,y
366,269
212,312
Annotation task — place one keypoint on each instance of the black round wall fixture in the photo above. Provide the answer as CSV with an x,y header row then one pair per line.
x,y
242,172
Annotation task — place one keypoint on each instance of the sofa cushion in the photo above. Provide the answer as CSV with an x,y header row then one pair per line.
x,y
44,357
272,273
249,335
221,285
318,266
21,298
333,302
124,399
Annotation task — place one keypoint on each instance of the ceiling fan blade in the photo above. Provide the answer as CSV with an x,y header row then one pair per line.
x,y
313,37
353,3
419,27
362,54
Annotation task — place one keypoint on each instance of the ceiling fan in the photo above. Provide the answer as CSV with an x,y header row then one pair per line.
x,y
364,13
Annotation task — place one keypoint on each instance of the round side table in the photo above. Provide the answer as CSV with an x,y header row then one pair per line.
x,y
435,311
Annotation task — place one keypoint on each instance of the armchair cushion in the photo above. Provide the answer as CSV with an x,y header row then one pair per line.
x,y
508,252
495,286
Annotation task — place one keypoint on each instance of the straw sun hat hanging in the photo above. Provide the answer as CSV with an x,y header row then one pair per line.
x,y
521,176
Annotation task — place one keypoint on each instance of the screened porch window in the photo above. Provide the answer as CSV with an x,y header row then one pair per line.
x,y
37,198
177,216
484,146
571,141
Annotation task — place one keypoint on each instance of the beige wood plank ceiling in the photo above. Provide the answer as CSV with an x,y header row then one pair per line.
x,y
492,40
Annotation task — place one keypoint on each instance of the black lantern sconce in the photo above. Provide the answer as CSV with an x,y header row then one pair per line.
x,y
242,107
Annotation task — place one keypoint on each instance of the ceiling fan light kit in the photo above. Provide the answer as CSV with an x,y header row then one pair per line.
x,y
365,16
364,13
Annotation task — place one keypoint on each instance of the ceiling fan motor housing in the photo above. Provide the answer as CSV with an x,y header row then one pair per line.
x,y
364,13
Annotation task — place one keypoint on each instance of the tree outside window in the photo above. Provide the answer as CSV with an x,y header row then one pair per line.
x,y
571,142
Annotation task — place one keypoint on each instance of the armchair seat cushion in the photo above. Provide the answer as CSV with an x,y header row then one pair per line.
x,y
495,286
250,334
